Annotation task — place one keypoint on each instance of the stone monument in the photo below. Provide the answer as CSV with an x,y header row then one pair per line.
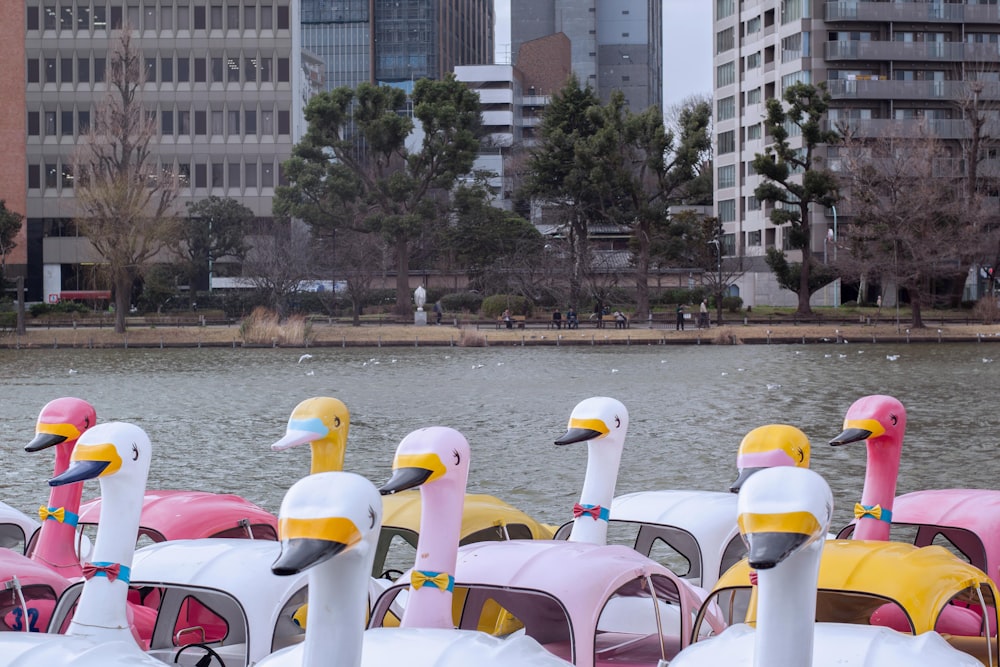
x,y
420,298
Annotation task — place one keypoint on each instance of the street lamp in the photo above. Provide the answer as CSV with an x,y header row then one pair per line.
x,y
718,297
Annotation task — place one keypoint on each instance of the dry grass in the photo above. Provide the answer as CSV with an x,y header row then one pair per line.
x,y
301,334
264,327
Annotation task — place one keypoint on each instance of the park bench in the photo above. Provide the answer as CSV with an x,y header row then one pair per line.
x,y
516,320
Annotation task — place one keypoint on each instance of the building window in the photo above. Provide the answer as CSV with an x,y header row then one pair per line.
x,y
215,12
283,17
34,124
727,142
200,175
66,17
726,108
235,171
199,17
250,17
51,175
797,77
724,8
50,123
250,69
183,70
200,75
217,127
267,123
267,175
284,122
793,10
726,177
218,173
200,122
167,122
166,70
183,17
50,70
283,70
753,96
250,121
34,70
166,17
66,70
232,17
184,123
66,123
250,175
753,61
150,70
234,123
725,74
753,204
83,70
99,65
49,18
753,238
217,70
725,40
82,122
753,25
754,132
67,175
265,70
266,17
727,210
34,177
232,70
100,17
32,18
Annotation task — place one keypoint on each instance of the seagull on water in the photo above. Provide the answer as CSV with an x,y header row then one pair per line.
x,y
304,357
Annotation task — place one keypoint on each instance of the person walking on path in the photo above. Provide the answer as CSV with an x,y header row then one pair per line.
x,y
438,311
703,315
680,317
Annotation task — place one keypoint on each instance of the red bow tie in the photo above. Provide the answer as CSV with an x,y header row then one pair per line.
x,y
593,512
110,571
753,577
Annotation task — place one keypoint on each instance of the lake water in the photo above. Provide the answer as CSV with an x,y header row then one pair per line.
x,y
212,413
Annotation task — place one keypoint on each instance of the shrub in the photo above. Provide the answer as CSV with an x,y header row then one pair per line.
x,y
732,303
493,306
8,321
987,309
60,308
263,326
462,301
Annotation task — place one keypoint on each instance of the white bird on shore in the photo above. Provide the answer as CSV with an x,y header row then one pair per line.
x,y
72,371
892,357
304,357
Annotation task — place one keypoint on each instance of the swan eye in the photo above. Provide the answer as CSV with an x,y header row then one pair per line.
x,y
894,419
371,516
802,456
86,422
336,422
618,422
458,458
135,452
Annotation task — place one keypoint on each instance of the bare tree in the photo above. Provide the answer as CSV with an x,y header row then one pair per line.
x,y
907,207
278,260
125,200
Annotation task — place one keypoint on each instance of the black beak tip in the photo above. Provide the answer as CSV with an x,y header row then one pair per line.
x,y
575,435
403,479
44,441
79,471
851,435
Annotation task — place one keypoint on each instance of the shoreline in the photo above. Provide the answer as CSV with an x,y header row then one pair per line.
x,y
394,335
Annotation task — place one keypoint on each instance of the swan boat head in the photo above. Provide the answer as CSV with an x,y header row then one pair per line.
x,y
769,446
880,421
435,459
61,422
602,423
322,422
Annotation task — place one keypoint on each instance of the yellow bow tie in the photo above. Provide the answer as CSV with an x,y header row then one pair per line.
x,y
441,580
59,514
874,512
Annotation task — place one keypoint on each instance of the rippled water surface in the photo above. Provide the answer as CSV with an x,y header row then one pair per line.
x,y
212,413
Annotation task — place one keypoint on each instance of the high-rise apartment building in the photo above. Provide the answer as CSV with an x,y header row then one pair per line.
x,y
218,85
615,44
396,41
898,64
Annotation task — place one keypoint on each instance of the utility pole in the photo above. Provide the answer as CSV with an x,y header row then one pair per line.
x,y
20,306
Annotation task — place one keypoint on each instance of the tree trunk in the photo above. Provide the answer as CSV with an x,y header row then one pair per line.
x,y
404,305
642,272
804,294
577,244
123,295
918,319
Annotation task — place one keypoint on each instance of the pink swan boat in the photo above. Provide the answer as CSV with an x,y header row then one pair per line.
x,y
880,421
16,528
330,525
586,603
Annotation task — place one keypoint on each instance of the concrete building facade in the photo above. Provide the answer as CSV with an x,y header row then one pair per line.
x,y
218,84
614,44
895,65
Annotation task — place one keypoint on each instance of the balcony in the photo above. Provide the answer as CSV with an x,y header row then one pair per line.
x,y
911,51
885,127
883,89
917,12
